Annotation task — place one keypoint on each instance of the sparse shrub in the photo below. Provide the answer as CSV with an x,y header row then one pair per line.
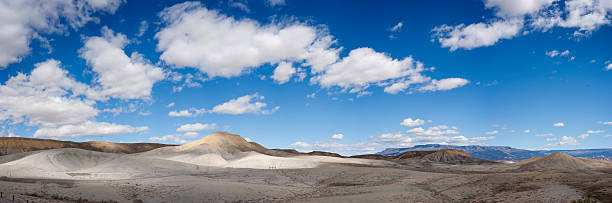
x,y
585,199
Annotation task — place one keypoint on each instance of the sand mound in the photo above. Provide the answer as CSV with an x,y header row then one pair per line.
x,y
226,142
221,149
12,145
67,159
70,163
556,161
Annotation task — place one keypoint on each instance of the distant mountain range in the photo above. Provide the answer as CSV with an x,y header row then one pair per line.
x,y
503,153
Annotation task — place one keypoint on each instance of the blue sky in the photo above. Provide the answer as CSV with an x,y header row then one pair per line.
x,y
349,77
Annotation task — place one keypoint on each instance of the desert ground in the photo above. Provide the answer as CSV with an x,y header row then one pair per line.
x,y
223,167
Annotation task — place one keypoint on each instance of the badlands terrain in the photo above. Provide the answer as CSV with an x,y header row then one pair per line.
x,y
223,167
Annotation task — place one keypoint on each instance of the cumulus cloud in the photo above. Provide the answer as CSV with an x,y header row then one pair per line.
x,y
249,103
170,105
495,132
364,66
559,124
517,7
433,131
445,84
605,123
512,17
219,45
358,147
196,127
554,53
87,129
120,76
21,21
476,35
144,26
409,122
300,145
609,67
47,96
405,140
171,138
182,113
273,3
337,136
397,26
566,140
527,131
283,72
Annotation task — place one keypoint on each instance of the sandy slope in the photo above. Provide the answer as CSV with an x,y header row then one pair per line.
x,y
218,150
223,149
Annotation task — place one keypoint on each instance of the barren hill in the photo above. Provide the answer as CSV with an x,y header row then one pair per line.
x,y
12,145
556,161
447,156
225,141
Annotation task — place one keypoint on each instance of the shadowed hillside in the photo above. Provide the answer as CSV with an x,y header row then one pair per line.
x,y
12,145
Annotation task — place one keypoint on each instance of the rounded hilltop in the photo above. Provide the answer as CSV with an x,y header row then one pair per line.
x,y
556,161
226,141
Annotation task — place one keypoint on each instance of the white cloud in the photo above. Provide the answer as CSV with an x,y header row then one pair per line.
x,y
495,132
170,105
337,136
397,26
242,105
609,67
559,124
273,3
586,15
87,129
403,140
364,66
120,76
409,122
433,131
283,72
594,131
144,26
554,53
219,45
300,145
527,131
544,135
182,113
605,123
540,15
583,136
196,127
551,139
47,97
477,35
358,147
23,20
445,84
565,140
172,138
514,8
